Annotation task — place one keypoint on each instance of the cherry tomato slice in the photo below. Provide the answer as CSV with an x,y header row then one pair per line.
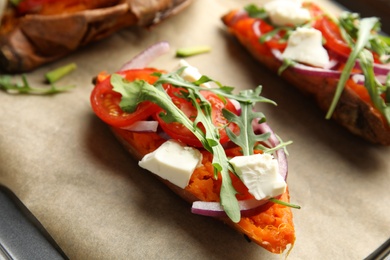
x,y
331,32
105,101
276,41
179,132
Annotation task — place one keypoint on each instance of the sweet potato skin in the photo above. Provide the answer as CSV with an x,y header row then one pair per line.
x,y
36,39
272,228
352,112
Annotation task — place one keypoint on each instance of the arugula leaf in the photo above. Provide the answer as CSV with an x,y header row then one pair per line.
x,y
7,85
287,32
223,91
286,64
256,12
380,44
372,85
363,36
365,33
246,139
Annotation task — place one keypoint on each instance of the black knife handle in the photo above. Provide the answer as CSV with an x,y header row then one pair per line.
x,y
22,236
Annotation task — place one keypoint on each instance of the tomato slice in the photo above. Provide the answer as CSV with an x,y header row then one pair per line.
x,y
179,132
105,101
276,41
331,32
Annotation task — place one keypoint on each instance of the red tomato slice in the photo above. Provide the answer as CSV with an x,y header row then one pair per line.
x,y
315,10
179,132
275,42
331,33
105,101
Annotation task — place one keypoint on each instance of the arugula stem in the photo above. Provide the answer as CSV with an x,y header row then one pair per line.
x,y
56,74
25,88
287,204
194,50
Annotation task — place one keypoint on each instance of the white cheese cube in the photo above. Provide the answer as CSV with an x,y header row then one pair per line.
x,y
173,162
286,12
305,45
191,73
260,174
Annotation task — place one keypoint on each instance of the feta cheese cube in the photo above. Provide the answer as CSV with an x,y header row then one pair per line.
x,y
287,12
191,73
305,45
260,174
173,162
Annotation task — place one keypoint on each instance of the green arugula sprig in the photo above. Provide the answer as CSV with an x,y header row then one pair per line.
x,y
138,91
362,29
7,85
374,88
350,25
256,12
247,139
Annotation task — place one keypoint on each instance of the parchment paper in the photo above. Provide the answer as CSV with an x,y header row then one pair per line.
x,y
70,171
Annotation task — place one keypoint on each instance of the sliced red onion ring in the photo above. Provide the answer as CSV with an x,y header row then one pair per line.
x,y
273,141
309,70
143,59
238,16
379,69
256,28
214,209
142,126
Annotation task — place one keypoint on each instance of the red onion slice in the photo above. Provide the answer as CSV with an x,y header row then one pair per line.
x,y
379,69
143,59
214,209
238,16
256,28
309,70
273,141
142,126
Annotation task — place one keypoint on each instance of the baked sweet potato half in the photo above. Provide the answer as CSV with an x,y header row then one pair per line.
x,y
340,63
37,32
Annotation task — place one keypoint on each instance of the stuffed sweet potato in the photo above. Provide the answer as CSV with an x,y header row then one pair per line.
x,y
204,142
342,64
